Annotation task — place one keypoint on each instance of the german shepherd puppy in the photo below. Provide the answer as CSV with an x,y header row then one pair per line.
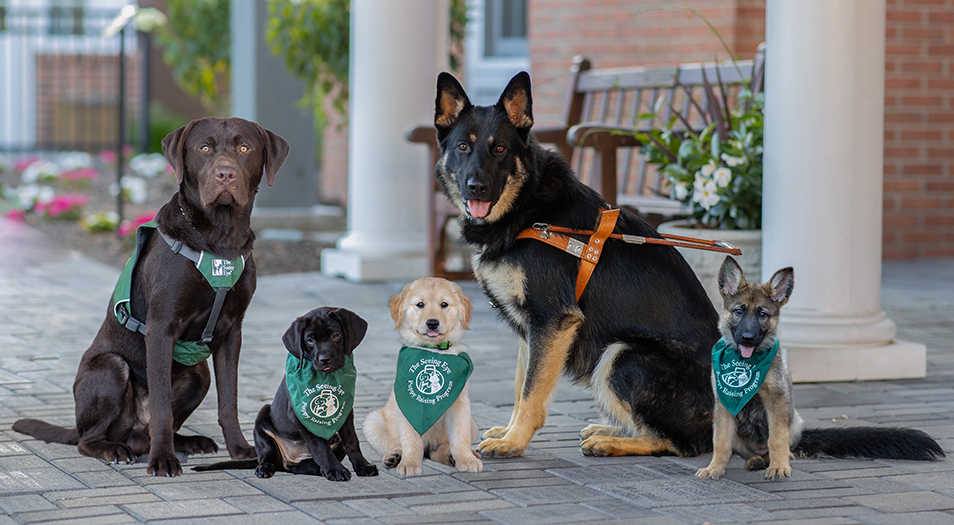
x,y
641,334
767,430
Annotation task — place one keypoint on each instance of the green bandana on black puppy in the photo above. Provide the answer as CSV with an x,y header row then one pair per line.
x,y
321,400
428,383
739,378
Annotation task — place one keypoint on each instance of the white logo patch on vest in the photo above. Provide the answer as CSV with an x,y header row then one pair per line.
x,y
325,404
740,376
429,381
222,267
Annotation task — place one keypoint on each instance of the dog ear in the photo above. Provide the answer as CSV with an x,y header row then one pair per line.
x,y
731,278
172,147
517,103
395,303
353,326
292,337
467,309
780,286
276,151
451,102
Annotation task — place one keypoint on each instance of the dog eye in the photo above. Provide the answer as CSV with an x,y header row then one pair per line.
x,y
205,148
420,305
335,336
243,148
462,146
310,341
444,305
738,310
500,148
763,315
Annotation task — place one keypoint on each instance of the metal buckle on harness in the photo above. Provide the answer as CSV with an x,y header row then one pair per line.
x,y
575,247
543,228
727,245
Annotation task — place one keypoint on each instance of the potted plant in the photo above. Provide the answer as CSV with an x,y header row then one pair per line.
x,y
716,173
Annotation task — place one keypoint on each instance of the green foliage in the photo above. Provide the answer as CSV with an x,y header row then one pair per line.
x,y
196,44
313,37
717,172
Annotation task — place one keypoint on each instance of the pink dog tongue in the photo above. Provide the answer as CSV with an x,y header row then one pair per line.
x,y
478,209
746,351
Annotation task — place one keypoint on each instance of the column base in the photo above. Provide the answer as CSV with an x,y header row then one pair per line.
x,y
358,267
895,360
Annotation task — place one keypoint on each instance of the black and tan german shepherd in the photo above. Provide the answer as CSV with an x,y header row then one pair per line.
x,y
768,430
641,334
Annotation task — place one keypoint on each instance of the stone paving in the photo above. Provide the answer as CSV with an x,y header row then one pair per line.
x,y
52,301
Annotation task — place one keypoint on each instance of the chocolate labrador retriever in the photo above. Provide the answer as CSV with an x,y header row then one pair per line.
x,y
311,433
134,389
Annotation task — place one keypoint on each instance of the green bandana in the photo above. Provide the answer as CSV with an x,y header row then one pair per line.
x,y
738,379
427,384
219,272
321,400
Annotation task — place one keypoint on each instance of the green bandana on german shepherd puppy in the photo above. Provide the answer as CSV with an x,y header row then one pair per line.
x,y
767,430
640,336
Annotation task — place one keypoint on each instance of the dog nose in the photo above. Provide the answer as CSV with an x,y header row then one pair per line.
x,y
324,360
477,188
433,324
225,175
747,339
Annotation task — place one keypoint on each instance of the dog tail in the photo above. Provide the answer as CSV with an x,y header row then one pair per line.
x,y
232,464
47,432
868,442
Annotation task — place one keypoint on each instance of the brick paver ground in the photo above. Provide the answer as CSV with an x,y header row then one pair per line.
x,y
52,301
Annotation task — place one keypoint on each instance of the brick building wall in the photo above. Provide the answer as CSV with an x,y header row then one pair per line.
x,y
919,129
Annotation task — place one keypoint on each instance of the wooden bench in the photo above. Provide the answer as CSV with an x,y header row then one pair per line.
x,y
604,109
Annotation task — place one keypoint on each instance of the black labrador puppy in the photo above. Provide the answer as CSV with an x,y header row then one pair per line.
x,y
309,427
133,390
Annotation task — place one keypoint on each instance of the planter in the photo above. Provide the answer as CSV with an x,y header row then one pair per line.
x,y
706,264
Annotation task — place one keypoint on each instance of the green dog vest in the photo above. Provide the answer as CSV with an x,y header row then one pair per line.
x,y
322,400
738,379
427,384
221,274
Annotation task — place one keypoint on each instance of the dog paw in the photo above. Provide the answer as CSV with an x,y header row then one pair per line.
x,y
710,473
496,432
779,472
337,473
118,454
598,447
195,445
410,468
392,459
599,430
469,463
755,463
164,465
265,470
499,448
366,469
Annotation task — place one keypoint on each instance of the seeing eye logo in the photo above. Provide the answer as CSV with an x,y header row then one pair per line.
x,y
222,267
737,378
429,381
325,404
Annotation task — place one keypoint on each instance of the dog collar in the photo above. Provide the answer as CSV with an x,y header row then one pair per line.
x,y
737,378
321,400
428,383
443,346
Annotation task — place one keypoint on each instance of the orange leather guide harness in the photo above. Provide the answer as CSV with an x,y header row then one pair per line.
x,y
590,252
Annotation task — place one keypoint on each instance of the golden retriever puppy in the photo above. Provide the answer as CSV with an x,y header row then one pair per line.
x,y
428,413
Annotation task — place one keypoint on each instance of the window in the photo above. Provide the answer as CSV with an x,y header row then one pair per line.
x,y
505,28
66,17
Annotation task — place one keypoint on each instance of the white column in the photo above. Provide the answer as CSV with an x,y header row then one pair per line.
x,y
822,194
397,50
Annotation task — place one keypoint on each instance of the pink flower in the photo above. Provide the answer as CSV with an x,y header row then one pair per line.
x,y
108,156
62,204
80,174
130,226
24,163
17,214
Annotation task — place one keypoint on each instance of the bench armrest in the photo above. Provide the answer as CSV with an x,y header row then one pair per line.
x,y
601,136
421,134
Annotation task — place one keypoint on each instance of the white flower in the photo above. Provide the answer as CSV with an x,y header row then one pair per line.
x,y
135,189
706,195
74,160
700,181
708,168
31,194
40,170
731,161
148,164
722,177
680,192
